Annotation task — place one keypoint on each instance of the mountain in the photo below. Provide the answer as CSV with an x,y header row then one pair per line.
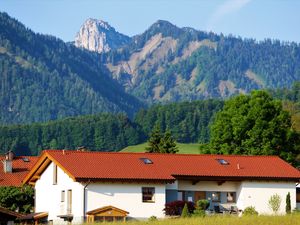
x,y
99,36
167,63
42,78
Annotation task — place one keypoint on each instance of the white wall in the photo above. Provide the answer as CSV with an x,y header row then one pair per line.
x,y
257,194
227,186
48,196
127,197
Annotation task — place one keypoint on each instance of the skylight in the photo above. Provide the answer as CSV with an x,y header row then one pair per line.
x,y
146,161
25,159
223,161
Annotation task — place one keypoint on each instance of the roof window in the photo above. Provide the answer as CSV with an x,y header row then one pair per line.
x,y
146,161
25,159
223,161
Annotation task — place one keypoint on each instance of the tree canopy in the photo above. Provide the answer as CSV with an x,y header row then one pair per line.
x,y
161,143
254,124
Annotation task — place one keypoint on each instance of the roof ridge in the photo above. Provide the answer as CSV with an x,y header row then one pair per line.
x,y
148,153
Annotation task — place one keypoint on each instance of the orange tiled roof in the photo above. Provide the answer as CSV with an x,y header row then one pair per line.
x,y
20,170
166,167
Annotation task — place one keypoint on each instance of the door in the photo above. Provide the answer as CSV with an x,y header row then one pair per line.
x,y
69,203
199,195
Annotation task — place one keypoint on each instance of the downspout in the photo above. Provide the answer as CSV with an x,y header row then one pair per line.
x,y
84,197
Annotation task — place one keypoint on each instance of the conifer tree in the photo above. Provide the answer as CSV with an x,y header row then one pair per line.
x,y
154,141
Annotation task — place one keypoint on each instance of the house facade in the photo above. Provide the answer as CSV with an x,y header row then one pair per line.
x,y
69,185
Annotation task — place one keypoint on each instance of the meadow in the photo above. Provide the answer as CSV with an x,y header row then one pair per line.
x,y
191,148
293,219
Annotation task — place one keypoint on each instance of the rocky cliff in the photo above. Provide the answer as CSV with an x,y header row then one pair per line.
x,y
99,36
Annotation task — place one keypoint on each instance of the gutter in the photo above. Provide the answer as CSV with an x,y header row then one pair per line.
x,y
84,197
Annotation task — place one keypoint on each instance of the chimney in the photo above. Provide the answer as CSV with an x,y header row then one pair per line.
x,y
10,155
238,166
7,162
7,166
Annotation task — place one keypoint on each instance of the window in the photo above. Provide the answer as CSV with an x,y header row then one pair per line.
x,y
146,161
62,197
148,194
231,196
223,161
54,174
216,196
25,159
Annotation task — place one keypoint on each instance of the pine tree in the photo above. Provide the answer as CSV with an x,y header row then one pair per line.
x,y
185,211
154,142
168,144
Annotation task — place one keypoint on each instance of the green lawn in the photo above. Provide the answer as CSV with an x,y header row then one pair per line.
x,y
293,219
183,148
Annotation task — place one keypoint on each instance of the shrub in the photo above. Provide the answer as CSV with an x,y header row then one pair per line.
x,y
185,212
152,218
274,202
202,204
175,208
250,211
288,203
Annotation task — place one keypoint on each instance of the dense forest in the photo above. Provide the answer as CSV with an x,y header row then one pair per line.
x,y
187,122
42,78
167,63
103,132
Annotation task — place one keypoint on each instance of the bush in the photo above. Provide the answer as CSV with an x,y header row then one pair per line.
x,y
288,203
274,202
202,204
175,208
152,218
250,211
185,212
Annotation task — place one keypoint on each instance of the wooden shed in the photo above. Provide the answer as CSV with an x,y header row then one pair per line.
x,y
106,213
7,216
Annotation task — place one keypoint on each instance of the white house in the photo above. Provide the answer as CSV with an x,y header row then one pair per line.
x,y
70,185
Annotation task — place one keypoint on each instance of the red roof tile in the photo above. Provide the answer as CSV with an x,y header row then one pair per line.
x,y
103,165
20,170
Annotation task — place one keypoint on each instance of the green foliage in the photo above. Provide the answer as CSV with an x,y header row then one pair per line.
x,y
103,132
250,211
254,125
187,121
159,143
274,202
185,212
17,198
202,204
42,78
288,207
152,218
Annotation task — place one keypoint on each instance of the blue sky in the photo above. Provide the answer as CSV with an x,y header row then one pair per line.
x,y
259,19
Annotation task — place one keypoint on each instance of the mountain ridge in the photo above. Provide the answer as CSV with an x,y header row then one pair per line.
x,y
42,78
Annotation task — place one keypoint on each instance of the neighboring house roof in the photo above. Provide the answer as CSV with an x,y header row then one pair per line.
x,y
108,210
96,166
20,170
9,213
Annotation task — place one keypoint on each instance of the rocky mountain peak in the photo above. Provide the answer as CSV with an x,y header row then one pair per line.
x,y
98,36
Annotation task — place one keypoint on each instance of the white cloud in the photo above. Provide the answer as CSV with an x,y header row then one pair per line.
x,y
224,9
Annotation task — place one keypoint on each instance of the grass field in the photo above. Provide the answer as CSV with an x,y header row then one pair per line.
x,y
293,219
192,148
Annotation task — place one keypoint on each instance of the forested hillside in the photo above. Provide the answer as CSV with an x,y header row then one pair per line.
x,y
188,121
102,132
42,78
167,63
